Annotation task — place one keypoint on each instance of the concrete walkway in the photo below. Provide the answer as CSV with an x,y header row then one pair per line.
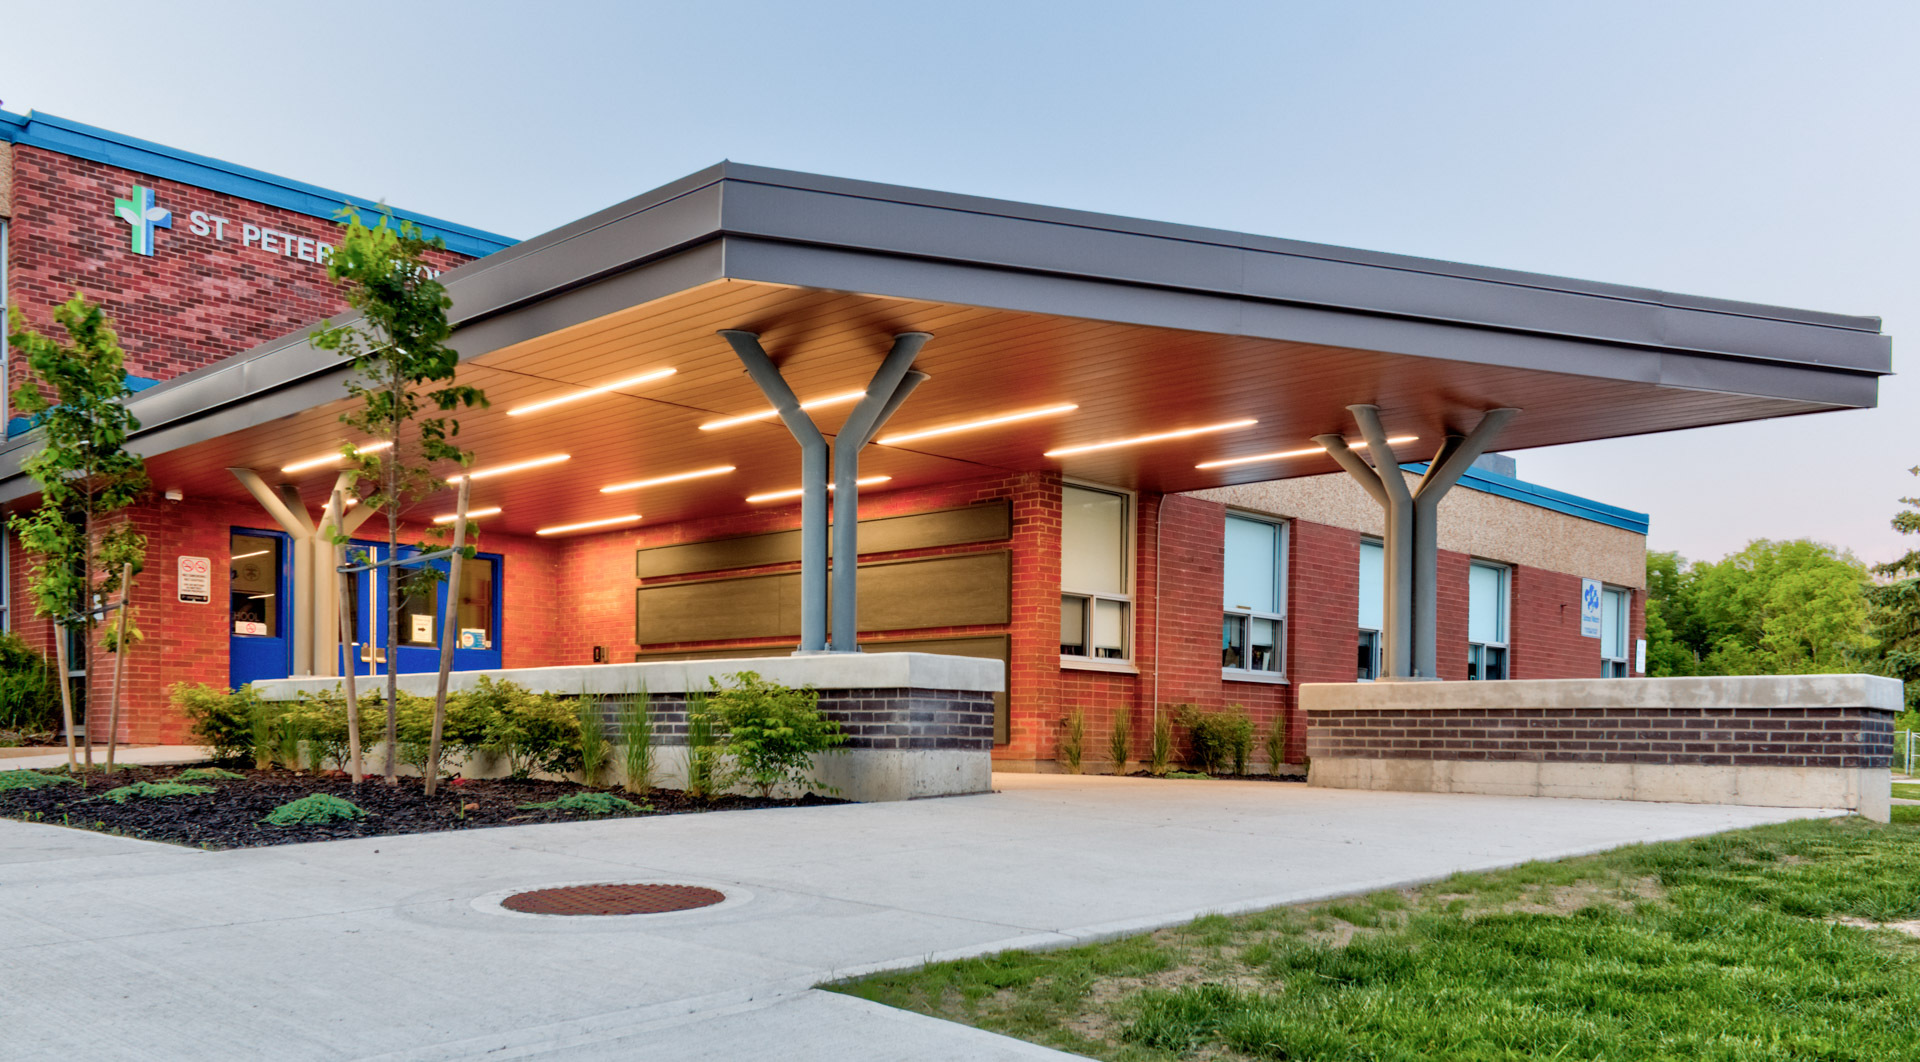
x,y
148,755
389,949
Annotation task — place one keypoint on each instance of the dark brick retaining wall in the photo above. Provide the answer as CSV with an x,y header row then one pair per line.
x,y
871,718
1734,737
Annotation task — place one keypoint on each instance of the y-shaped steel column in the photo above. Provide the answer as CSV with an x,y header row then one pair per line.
x,y
813,485
1455,456
890,387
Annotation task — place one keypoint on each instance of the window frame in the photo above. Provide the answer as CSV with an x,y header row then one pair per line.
x,y
1283,544
1476,651
1361,632
1618,666
1129,564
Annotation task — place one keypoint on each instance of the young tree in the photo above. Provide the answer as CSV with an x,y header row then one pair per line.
x,y
1896,609
401,366
78,391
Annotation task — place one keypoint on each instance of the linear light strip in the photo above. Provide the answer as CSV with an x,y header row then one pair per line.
x,y
972,425
255,553
1310,451
864,481
472,514
765,414
678,477
1162,436
518,466
608,522
631,381
316,462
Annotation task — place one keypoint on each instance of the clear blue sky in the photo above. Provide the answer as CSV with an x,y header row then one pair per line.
x,y
1758,151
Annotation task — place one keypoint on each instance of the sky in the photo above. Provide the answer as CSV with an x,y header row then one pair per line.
x,y
1757,151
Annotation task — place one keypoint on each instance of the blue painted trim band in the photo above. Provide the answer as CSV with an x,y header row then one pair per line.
x,y
23,425
142,156
1546,498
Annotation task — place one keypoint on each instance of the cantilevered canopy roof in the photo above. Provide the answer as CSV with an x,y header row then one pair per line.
x,y
1143,328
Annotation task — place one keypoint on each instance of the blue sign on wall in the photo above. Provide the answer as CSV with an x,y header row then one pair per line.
x,y
1589,608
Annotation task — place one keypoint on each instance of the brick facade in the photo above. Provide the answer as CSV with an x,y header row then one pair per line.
x,y
1705,737
881,719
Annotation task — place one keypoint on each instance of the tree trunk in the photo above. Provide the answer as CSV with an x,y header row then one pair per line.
x,y
66,687
86,640
119,662
449,624
346,645
393,609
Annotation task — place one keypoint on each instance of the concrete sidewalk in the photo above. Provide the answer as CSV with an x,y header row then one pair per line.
x,y
146,755
386,949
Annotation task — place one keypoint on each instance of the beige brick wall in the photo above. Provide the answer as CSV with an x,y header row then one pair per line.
x,y
1471,521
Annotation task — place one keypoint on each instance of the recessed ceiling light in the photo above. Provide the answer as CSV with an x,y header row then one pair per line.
x,y
608,522
1155,437
864,481
769,414
501,470
631,381
472,514
988,422
642,484
1310,451
367,448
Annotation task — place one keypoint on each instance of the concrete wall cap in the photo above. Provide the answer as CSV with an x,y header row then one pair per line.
x,y
825,671
1742,691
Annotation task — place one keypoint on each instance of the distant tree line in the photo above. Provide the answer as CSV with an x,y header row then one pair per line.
x,y
1788,608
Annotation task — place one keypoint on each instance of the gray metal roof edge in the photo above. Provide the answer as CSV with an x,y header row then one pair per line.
x,y
1299,248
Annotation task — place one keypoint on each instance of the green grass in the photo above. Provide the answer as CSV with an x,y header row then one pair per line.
x,y
1722,949
1907,790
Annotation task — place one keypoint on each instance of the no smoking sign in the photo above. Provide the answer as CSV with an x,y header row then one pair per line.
x,y
196,580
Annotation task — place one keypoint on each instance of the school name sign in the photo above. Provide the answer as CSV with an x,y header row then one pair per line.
x,y
144,216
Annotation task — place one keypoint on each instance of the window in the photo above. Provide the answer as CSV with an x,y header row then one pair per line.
x,y
475,607
1096,591
1255,597
1487,621
1373,561
254,582
1615,610
419,614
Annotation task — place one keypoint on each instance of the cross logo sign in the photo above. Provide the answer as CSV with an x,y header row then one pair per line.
x,y
140,212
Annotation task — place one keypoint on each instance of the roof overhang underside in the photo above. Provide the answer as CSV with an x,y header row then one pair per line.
x,y
1144,327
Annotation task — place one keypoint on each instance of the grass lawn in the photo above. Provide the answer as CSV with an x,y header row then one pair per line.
x,y
1907,790
1733,947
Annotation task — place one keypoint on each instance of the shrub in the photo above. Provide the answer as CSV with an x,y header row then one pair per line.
x,y
10,780
1161,756
206,774
221,721
1120,740
772,731
315,810
153,791
636,743
1216,739
1277,743
594,753
589,804
706,773
1073,741
531,731
29,691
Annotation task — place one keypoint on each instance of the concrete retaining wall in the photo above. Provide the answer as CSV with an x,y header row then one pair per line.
x,y
917,724
1779,741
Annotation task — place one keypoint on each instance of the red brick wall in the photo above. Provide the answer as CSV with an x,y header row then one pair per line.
x,y
196,300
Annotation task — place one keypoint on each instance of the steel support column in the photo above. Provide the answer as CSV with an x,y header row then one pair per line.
x,y
813,484
315,599
889,388
1455,456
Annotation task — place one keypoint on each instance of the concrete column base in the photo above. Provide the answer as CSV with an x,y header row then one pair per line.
x,y
1865,790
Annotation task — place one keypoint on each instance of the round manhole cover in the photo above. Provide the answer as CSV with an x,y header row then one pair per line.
x,y
630,899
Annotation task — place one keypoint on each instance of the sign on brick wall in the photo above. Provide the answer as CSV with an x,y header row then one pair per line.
x,y
1589,608
196,580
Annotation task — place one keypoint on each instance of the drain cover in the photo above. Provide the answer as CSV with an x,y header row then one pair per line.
x,y
630,899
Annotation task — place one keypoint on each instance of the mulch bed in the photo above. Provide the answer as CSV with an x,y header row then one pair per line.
x,y
230,816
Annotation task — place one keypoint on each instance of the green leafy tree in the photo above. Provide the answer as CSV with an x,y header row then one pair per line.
x,y
402,368
77,391
1780,608
1673,625
1896,611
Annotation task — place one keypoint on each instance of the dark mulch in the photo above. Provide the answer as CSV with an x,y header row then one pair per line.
x,y
230,816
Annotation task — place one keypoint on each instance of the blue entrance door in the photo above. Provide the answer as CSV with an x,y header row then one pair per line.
x,y
259,582
417,647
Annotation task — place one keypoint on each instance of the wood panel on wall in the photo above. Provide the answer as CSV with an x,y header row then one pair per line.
x,y
990,521
962,590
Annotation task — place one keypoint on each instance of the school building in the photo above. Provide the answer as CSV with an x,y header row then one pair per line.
x,y
1140,464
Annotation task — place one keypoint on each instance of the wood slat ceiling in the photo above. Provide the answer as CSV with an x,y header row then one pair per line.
x,y
1126,380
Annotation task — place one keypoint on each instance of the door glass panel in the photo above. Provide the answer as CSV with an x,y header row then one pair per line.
x,y
1251,581
1093,541
477,582
419,618
1372,568
253,607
